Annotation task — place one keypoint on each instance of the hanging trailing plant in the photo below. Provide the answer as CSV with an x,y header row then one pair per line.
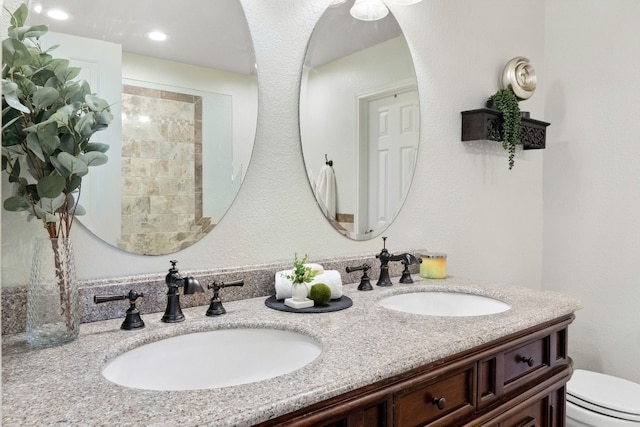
x,y
507,102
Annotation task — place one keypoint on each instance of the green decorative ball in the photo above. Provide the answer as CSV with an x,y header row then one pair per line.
x,y
320,294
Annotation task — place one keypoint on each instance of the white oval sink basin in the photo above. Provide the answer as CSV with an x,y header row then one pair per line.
x,y
214,359
444,304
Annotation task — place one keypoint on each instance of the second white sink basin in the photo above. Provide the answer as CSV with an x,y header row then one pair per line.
x,y
213,359
444,304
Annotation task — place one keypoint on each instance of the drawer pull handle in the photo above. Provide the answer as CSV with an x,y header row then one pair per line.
x,y
527,360
439,402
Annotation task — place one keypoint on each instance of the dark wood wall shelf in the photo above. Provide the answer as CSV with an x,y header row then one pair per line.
x,y
486,124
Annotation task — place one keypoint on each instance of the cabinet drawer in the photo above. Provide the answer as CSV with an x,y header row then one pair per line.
x,y
439,403
526,361
535,415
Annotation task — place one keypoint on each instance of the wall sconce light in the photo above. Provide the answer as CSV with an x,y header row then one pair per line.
x,y
369,10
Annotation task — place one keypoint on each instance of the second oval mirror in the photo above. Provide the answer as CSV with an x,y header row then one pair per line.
x,y
185,114
359,120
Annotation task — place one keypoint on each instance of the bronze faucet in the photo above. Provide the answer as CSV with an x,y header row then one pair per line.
x,y
173,312
385,257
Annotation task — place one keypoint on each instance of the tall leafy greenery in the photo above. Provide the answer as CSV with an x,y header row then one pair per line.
x,y
48,119
507,102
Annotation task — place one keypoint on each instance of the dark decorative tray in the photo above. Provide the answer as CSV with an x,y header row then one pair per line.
x,y
334,305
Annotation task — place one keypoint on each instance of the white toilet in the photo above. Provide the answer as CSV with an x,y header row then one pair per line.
x,y
599,400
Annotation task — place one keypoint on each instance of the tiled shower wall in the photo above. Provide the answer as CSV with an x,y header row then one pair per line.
x,y
161,171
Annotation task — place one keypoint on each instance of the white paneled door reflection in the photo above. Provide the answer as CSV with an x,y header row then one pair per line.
x,y
393,136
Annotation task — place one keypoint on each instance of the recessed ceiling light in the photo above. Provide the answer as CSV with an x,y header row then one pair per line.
x,y
158,36
58,14
37,8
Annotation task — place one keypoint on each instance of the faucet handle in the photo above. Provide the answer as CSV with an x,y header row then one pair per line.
x,y
407,261
365,284
132,319
384,256
215,306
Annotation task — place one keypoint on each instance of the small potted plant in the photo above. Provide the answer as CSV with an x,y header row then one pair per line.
x,y
506,102
299,277
48,119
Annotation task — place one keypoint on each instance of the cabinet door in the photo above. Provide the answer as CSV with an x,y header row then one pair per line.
x,y
558,408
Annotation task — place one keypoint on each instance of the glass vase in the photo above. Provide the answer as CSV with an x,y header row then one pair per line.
x,y
52,297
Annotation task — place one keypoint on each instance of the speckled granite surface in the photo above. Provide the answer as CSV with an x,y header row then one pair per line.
x,y
361,345
259,281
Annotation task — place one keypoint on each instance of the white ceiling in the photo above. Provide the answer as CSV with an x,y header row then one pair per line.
x,y
206,33
338,34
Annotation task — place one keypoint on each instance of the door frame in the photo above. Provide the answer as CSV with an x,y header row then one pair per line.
x,y
362,148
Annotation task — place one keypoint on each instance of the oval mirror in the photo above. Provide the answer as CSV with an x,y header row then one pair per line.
x,y
185,114
359,120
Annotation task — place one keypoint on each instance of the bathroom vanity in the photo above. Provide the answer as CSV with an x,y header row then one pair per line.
x,y
515,382
377,367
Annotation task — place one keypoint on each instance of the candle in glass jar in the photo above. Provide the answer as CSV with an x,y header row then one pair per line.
x,y
434,265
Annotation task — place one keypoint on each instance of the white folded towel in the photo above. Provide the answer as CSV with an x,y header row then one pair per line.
x,y
317,267
330,278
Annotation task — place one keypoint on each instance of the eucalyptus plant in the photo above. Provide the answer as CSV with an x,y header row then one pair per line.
x,y
48,119
506,101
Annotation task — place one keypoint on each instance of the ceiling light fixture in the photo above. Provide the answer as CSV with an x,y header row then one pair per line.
x,y
157,36
369,10
403,2
58,14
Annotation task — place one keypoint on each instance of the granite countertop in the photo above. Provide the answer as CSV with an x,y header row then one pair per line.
x,y
361,345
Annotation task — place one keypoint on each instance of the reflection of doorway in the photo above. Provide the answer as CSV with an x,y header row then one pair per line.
x,y
388,144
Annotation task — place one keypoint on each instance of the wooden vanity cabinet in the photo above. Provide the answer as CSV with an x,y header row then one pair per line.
x,y
518,381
